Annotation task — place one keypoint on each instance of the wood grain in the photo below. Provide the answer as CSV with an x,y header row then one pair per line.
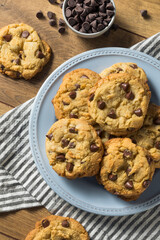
x,y
4,108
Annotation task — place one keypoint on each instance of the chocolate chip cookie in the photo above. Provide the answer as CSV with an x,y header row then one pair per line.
x,y
58,228
71,98
119,103
22,52
149,135
126,169
74,148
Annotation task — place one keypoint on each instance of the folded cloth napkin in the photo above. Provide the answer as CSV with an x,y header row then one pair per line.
x,y
21,185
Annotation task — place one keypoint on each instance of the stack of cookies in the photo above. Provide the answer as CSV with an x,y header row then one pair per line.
x,y
107,127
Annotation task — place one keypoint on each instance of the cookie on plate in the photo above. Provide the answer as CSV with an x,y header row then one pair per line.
x,y
128,67
57,228
22,52
149,135
74,148
126,169
71,98
119,103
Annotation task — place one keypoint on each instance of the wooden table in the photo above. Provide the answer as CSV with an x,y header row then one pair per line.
x,y
132,29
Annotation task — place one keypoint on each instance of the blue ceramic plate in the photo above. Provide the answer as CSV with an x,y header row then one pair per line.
x,y
86,193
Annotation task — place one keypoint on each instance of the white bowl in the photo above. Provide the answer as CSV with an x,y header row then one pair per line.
x,y
88,35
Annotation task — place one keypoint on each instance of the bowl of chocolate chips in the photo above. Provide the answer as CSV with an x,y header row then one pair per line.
x,y
89,18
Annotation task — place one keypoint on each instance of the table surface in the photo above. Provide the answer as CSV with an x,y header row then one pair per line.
x,y
132,29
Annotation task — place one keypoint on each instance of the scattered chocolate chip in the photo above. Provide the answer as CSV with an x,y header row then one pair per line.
x,y
156,121
77,86
128,170
39,15
124,86
61,157
112,114
50,15
129,185
134,141
134,66
143,13
45,223
52,22
49,136
73,130
65,142
112,177
52,1
61,22
130,95
40,55
65,224
61,5
94,147
105,153
91,97
17,61
20,56
149,159
157,145
99,132
138,112
72,145
127,154
61,30
72,115
7,37
72,95
101,104
2,67
65,103
25,34
146,183
69,167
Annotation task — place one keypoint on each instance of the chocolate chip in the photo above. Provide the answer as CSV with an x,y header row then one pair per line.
x,y
99,132
110,6
39,14
156,121
129,185
2,67
102,8
114,26
65,103
110,13
138,112
91,97
61,5
112,177
40,55
112,114
100,27
72,21
157,145
130,95
7,37
52,22
65,142
86,26
50,15
94,23
20,56
84,76
61,22
61,157
124,86
134,66
68,12
61,30
101,104
69,167
146,183
77,86
45,223
149,159
17,61
105,153
73,130
72,95
128,170
143,13
79,9
94,3
71,3
49,136
72,115
52,1
65,224
127,154
76,27
87,2
134,141
72,145
25,34
94,147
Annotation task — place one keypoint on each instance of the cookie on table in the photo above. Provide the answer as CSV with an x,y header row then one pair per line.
x,y
22,52
119,103
126,169
74,148
149,135
128,67
57,227
71,98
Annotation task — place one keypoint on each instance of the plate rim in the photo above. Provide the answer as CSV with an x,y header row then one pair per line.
x,y
141,207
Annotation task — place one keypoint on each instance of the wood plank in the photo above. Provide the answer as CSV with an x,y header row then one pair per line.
x,y
7,237
19,223
128,16
4,108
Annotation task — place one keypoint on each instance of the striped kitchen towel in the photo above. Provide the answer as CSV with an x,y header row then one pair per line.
x,y
21,185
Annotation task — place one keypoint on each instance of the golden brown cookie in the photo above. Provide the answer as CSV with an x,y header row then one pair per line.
x,y
119,103
126,169
58,228
71,98
74,148
22,52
